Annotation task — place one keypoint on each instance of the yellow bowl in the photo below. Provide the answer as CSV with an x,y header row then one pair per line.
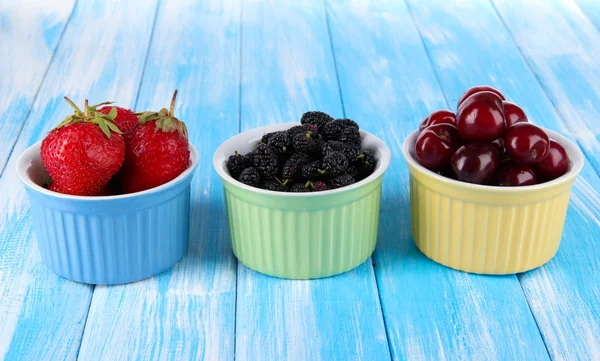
x,y
488,229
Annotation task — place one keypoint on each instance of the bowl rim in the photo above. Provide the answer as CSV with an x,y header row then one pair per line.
x,y
24,162
219,162
576,160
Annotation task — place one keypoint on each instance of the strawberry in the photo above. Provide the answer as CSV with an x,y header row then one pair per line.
x,y
157,151
126,119
83,152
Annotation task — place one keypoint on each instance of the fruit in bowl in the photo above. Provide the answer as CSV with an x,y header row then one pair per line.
x,y
99,187
498,204
489,141
320,154
96,151
303,198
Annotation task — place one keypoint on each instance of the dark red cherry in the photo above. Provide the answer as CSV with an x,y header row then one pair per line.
x,y
447,172
499,145
480,118
477,89
513,174
555,164
438,117
526,143
475,162
436,144
513,114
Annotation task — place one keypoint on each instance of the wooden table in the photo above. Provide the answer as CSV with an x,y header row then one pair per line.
x,y
239,65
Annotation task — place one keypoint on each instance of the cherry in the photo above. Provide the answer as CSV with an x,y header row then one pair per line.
x,y
436,144
447,172
438,117
513,114
480,118
555,164
478,89
513,174
475,162
526,143
499,145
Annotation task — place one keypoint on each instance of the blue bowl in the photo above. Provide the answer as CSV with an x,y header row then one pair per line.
x,y
113,239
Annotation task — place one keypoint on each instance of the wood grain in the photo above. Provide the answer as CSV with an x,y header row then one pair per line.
x,y
472,46
288,69
431,312
564,295
187,313
29,34
42,315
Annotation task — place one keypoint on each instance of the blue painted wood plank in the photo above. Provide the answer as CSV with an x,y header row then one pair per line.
x,y
591,8
187,313
288,69
42,315
29,36
471,46
431,312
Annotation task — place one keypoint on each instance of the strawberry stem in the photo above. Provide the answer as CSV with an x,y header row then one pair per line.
x,y
86,112
173,104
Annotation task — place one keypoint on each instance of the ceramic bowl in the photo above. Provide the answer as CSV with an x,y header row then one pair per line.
x,y
487,229
302,235
108,240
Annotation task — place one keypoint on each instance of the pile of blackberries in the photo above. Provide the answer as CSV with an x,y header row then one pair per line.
x,y
318,155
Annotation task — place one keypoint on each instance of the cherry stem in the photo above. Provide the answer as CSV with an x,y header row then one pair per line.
x,y
173,104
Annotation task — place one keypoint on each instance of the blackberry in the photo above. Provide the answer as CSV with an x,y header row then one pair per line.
x,y
317,118
319,186
312,169
279,141
250,176
236,164
265,160
292,167
365,164
342,181
350,135
335,163
305,142
350,150
265,138
250,157
333,130
299,187
302,129
272,185
353,171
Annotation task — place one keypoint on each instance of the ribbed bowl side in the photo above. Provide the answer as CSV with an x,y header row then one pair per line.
x,y
297,244
114,245
485,237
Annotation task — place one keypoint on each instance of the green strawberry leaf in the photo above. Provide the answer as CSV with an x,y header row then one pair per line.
x,y
65,121
163,112
112,114
104,128
147,116
100,104
113,127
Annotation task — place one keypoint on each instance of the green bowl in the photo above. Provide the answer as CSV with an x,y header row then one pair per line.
x,y
302,235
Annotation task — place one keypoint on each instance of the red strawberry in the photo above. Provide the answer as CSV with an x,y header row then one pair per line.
x,y
157,151
126,119
83,152
105,191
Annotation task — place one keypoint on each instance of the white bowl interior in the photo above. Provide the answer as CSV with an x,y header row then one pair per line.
x,y
32,173
576,160
245,142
